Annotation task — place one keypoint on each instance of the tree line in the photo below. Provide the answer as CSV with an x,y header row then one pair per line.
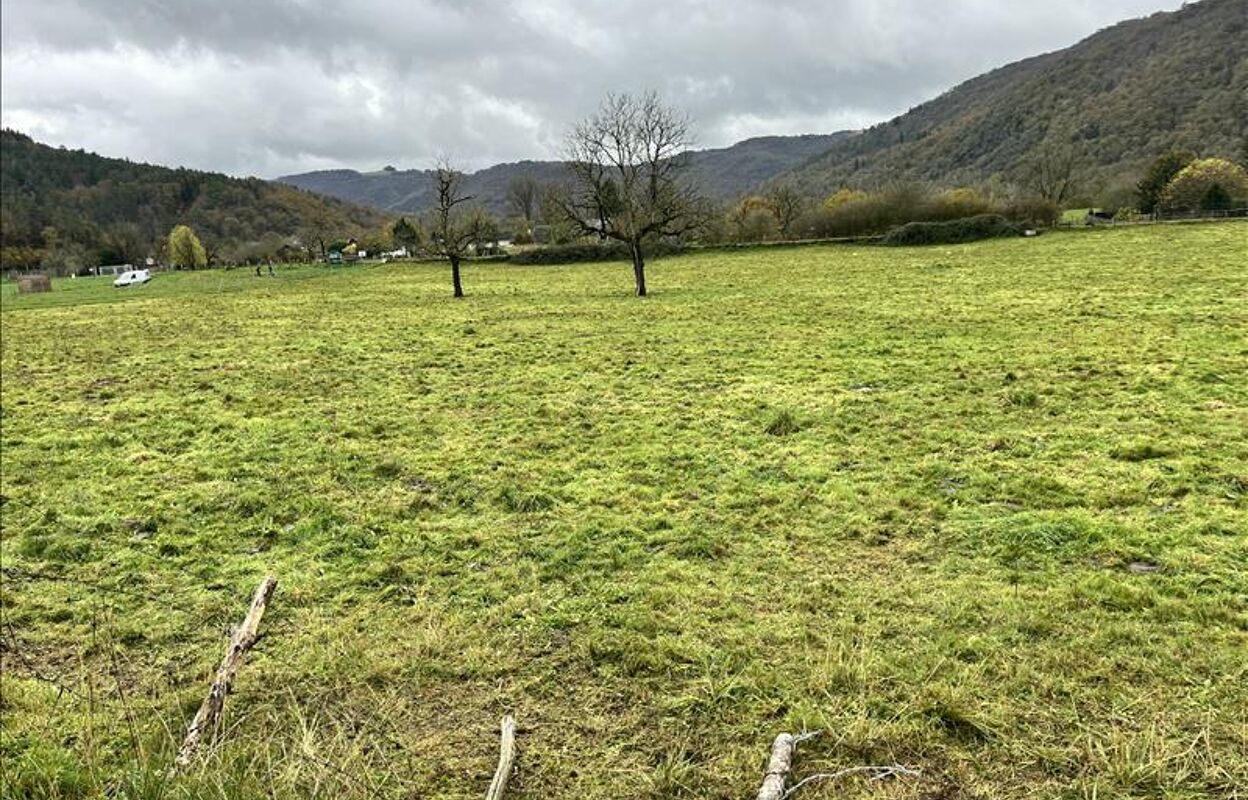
x,y
68,210
626,186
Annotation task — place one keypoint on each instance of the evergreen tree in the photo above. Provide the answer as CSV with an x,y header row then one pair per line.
x,y
1158,177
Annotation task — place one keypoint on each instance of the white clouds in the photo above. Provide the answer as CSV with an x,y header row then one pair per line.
x,y
268,87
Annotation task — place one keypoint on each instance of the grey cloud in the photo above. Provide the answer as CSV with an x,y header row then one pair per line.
x,y
272,86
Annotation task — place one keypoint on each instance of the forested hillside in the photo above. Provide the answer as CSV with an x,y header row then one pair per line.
x,y
722,174
1115,101
69,208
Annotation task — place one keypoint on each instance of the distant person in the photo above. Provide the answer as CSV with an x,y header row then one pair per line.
x,y
271,273
257,270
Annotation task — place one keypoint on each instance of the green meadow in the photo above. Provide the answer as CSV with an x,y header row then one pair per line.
x,y
981,511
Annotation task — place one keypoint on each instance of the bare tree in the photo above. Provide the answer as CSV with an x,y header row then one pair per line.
x,y
626,175
1049,172
523,193
453,227
787,204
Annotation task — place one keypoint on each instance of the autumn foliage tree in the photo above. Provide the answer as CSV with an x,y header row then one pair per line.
x,y
1208,184
185,249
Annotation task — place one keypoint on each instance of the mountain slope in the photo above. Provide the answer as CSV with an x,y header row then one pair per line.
x,y
68,208
1119,98
723,174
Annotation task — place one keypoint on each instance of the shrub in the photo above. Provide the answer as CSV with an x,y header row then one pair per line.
x,y
1213,182
1034,212
984,226
1158,177
957,204
586,251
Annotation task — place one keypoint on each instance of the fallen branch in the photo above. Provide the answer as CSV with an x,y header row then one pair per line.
x,y
506,755
877,774
780,764
242,641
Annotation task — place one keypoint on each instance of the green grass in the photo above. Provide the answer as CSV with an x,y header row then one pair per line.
x,y
980,510
1077,215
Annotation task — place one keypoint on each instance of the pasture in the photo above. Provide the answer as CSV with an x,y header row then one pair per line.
x,y
979,510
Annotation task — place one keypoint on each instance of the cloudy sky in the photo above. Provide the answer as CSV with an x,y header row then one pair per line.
x,y
268,87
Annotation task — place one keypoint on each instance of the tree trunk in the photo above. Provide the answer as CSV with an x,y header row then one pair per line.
x,y
639,268
459,289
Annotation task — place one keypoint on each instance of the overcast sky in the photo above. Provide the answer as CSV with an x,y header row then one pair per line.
x,y
268,87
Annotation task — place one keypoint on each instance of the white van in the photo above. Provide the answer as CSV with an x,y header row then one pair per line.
x,y
132,277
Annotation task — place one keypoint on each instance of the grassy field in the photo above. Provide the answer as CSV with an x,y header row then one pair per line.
x,y
978,510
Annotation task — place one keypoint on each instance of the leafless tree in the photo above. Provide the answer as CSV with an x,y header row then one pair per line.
x,y
787,204
1050,172
523,193
454,226
626,175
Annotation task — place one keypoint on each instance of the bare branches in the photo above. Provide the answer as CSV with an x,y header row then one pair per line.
x,y
1050,171
876,773
243,639
449,235
625,169
454,228
522,197
781,764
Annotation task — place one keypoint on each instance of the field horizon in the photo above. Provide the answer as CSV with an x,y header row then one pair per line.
x,y
978,510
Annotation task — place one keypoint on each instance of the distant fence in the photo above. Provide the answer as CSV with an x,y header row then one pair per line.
x,y
1092,221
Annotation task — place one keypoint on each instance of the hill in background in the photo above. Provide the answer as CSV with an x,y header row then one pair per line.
x,y
1118,99
70,208
722,174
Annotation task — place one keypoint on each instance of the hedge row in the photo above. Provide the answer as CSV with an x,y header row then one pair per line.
x,y
970,229
578,253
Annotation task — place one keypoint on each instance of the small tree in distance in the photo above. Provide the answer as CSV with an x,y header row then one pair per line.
x,y
454,227
1050,172
625,174
185,249
523,195
1158,177
787,204
1208,184
405,235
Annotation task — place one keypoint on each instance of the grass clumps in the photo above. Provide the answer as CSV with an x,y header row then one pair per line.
x,y
789,492
1140,451
783,423
525,501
